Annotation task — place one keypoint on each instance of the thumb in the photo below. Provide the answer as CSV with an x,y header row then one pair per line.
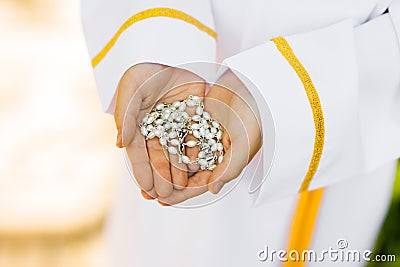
x,y
235,139
235,160
129,122
128,87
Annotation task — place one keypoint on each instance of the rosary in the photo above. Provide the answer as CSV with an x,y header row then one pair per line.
x,y
170,123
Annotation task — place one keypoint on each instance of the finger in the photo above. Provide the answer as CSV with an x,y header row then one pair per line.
x,y
161,168
128,86
237,150
126,89
235,160
197,185
139,159
235,139
129,124
163,204
151,195
179,172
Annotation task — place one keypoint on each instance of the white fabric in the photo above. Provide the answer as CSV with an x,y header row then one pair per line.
x,y
350,50
320,52
394,9
379,91
144,41
358,100
232,231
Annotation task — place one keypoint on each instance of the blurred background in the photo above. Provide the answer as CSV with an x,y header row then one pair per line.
x,y
58,163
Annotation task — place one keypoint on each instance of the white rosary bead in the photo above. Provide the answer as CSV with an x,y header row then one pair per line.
x,y
143,131
151,135
160,106
202,162
166,111
163,141
172,150
171,124
158,133
185,116
199,110
196,118
214,147
215,124
206,115
172,134
220,147
176,104
196,99
191,143
219,135
209,135
202,131
168,126
159,121
195,126
182,107
191,103
174,115
196,134
185,159
201,154
211,142
150,119
175,142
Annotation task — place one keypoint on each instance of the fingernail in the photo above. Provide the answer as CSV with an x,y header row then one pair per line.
x,y
146,196
218,186
163,204
119,141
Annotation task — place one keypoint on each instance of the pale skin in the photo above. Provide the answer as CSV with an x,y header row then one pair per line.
x,y
160,175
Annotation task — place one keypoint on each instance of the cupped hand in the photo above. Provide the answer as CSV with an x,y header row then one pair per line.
x,y
142,86
230,103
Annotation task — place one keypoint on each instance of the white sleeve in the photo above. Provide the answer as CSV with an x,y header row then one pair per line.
x,y
336,119
123,33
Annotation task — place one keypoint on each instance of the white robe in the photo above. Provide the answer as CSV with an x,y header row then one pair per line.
x,y
351,51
